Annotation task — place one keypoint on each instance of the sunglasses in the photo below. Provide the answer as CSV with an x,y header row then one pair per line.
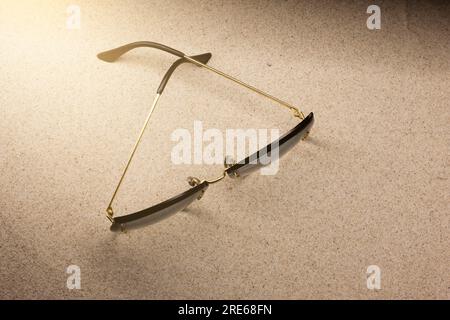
x,y
251,163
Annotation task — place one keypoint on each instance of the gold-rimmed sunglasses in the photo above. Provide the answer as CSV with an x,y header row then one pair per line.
x,y
198,187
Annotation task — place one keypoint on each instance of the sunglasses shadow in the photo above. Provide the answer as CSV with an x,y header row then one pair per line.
x,y
196,211
314,141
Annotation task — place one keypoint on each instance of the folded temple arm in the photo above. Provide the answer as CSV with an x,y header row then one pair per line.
x,y
114,54
203,58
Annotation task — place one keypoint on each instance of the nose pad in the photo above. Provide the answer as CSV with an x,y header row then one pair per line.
x,y
193,182
228,161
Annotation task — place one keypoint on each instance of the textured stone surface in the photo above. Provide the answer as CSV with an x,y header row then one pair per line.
x,y
370,187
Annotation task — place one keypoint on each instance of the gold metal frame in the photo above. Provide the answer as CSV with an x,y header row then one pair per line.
x,y
296,112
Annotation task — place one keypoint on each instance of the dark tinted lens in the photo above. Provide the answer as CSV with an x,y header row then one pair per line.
x,y
274,150
160,211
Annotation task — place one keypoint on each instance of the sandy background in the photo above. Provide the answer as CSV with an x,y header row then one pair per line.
x,y
370,187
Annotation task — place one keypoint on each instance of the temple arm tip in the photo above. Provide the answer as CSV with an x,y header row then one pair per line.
x,y
108,56
204,58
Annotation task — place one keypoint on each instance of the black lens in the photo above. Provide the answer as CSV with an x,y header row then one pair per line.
x,y
160,211
272,151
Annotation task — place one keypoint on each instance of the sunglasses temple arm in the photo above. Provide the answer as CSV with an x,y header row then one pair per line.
x,y
295,111
109,210
114,54
202,58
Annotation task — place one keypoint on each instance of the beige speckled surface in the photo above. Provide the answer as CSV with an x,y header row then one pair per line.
x,y
371,187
